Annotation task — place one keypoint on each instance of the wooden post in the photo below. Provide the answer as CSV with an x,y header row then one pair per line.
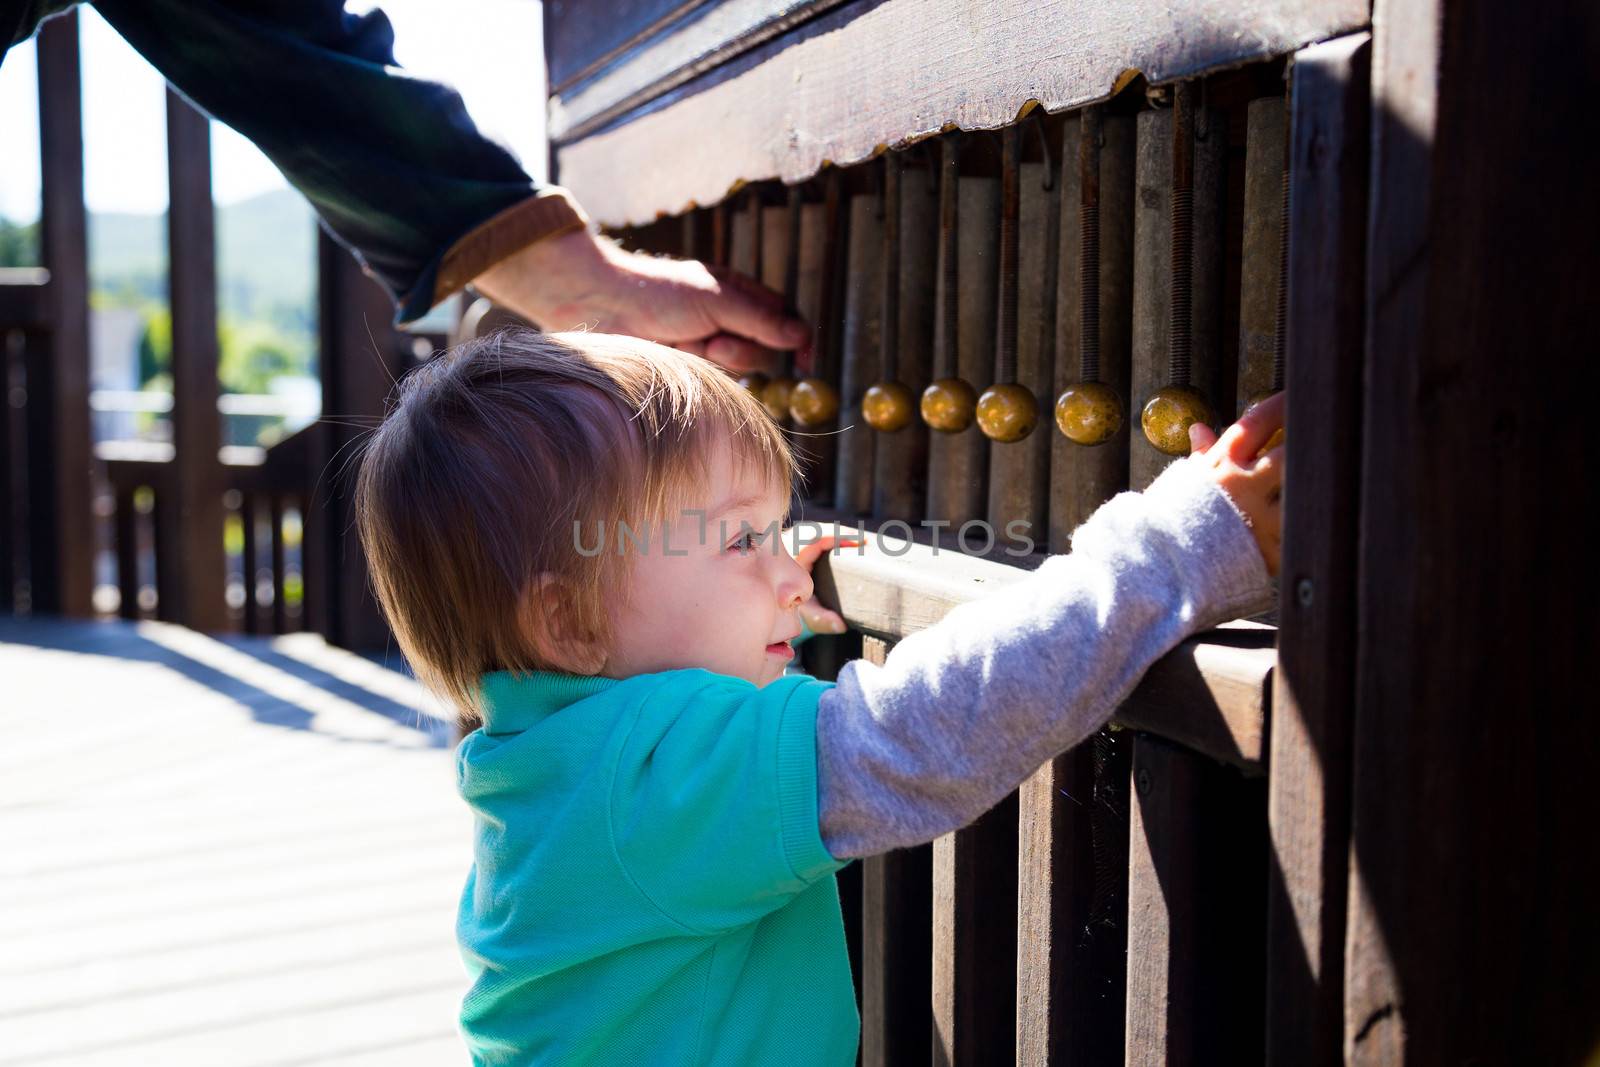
x,y
1473,935
360,359
1308,790
60,459
192,560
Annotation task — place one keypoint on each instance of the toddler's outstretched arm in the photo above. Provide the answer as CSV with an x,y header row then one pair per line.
x,y
962,712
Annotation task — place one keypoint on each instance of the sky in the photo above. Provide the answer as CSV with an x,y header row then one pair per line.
x,y
490,50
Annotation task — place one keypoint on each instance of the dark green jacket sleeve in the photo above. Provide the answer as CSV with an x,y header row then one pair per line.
x,y
393,164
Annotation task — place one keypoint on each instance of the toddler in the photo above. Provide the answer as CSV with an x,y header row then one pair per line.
x,y
575,540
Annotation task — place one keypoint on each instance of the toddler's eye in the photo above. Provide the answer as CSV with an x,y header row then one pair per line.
x,y
746,543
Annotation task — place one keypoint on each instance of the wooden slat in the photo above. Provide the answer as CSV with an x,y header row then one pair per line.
x,y
1152,273
1263,229
975,939
60,464
1083,478
1473,932
896,928
280,608
958,464
821,231
191,506
1019,471
247,564
876,73
126,537
900,475
1313,687
1072,905
1195,887
852,490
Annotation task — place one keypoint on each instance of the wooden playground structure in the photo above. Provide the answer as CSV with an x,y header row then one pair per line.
x,y
1359,829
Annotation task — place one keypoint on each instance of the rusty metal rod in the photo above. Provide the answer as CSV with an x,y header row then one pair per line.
x,y
1089,133
1181,292
1010,196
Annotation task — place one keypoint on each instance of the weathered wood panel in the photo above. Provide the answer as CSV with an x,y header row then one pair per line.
x,y
1196,849
874,73
1072,905
1313,686
958,462
1082,478
1473,932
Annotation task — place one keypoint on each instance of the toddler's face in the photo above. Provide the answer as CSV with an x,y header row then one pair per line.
x,y
722,593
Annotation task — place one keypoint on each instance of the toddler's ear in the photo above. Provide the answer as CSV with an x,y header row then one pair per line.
x,y
557,635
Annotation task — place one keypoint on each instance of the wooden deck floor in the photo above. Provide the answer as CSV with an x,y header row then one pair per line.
x,y
236,853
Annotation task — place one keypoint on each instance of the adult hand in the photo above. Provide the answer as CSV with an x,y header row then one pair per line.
x,y
582,279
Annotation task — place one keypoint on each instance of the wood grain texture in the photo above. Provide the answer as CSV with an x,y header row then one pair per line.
x,y
1263,228
1196,850
975,939
859,354
1473,935
1083,478
900,459
1153,273
958,463
877,73
1313,688
1072,905
1019,471
896,957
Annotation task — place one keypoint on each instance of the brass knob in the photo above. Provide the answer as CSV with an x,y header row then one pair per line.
x,y
887,406
1168,414
1089,413
813,402
949,404
1007,412
776,395
754,381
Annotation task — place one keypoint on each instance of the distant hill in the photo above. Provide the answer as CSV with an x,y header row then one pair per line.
x,y
266,255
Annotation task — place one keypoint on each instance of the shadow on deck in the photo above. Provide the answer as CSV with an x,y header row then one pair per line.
x,y
222,850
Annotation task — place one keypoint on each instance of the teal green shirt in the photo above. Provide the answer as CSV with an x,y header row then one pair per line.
x,y
649,883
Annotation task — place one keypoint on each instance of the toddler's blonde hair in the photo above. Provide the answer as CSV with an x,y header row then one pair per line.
x,y
470,488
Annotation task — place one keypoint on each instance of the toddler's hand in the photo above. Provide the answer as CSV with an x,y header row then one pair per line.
x,y
1253,481
818,619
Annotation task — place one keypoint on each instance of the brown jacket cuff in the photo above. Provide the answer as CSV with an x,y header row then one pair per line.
x,y
548,213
